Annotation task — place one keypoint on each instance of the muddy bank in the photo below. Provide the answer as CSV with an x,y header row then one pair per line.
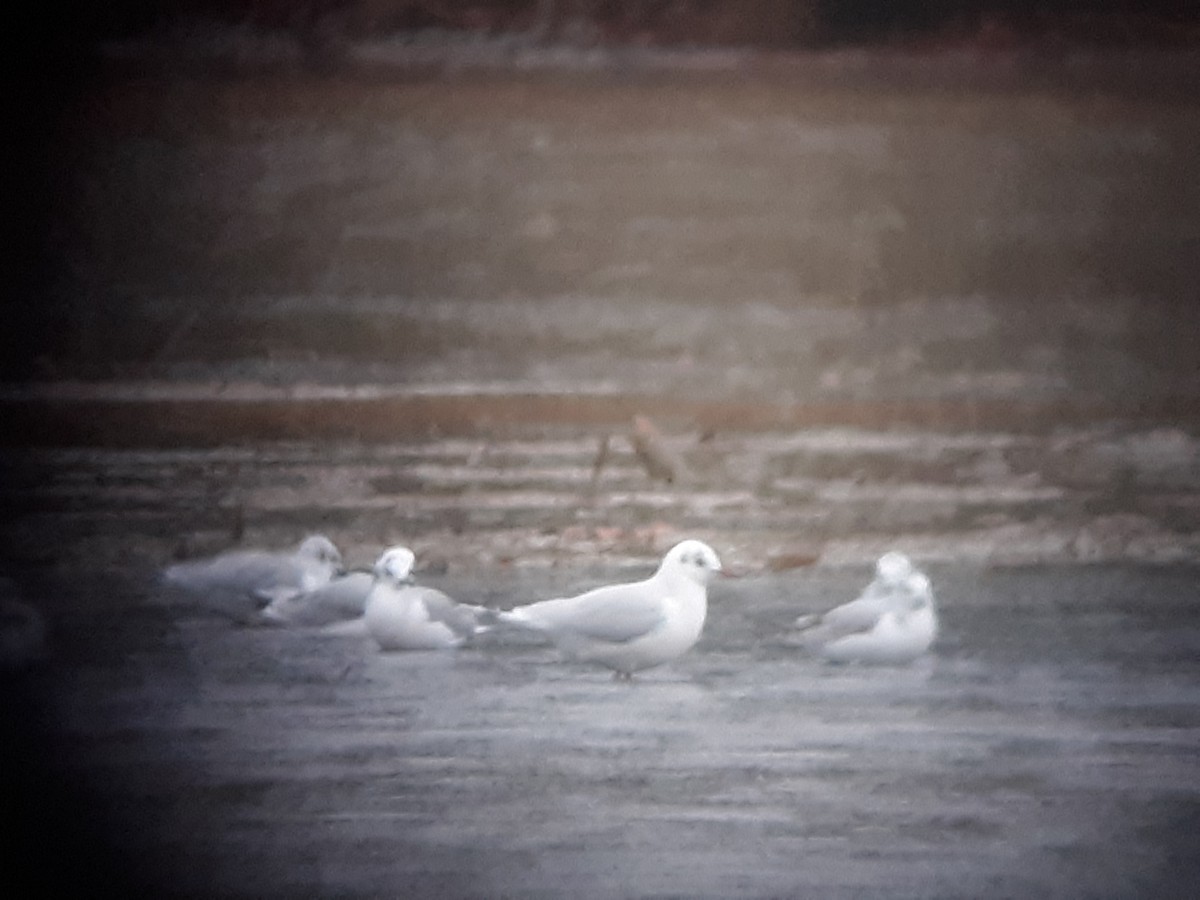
x,y
831,496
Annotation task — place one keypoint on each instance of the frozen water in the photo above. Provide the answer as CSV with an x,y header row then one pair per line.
x,y
1046,746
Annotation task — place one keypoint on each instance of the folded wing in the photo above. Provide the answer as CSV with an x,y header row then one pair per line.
x,y
613,614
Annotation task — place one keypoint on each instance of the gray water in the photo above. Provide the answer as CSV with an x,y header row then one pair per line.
x,y
1046,747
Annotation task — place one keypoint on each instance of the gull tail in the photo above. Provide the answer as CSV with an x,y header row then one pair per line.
x,y
495,618
481,619
264,598
500,621
348,628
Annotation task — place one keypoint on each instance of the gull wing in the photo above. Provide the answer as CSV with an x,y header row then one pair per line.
x,y
863,614
460,617
616,613
342,598
855,617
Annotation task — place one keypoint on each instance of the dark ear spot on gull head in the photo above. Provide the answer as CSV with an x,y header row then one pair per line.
x,y
320,548
694,558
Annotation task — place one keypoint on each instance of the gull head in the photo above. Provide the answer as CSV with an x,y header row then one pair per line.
x,y
395,565
321,549
893,568
694,560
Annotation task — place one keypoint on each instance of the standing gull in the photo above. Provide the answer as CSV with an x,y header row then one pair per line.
x,y
892,622
401,615
630,627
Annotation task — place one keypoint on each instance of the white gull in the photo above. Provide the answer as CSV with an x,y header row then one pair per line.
x,y
255,578
342,599
634,626
402,615
892,622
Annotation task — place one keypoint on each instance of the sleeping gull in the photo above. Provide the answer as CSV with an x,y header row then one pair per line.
x,y
890,572
892,622
630,627
402,615
255,578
